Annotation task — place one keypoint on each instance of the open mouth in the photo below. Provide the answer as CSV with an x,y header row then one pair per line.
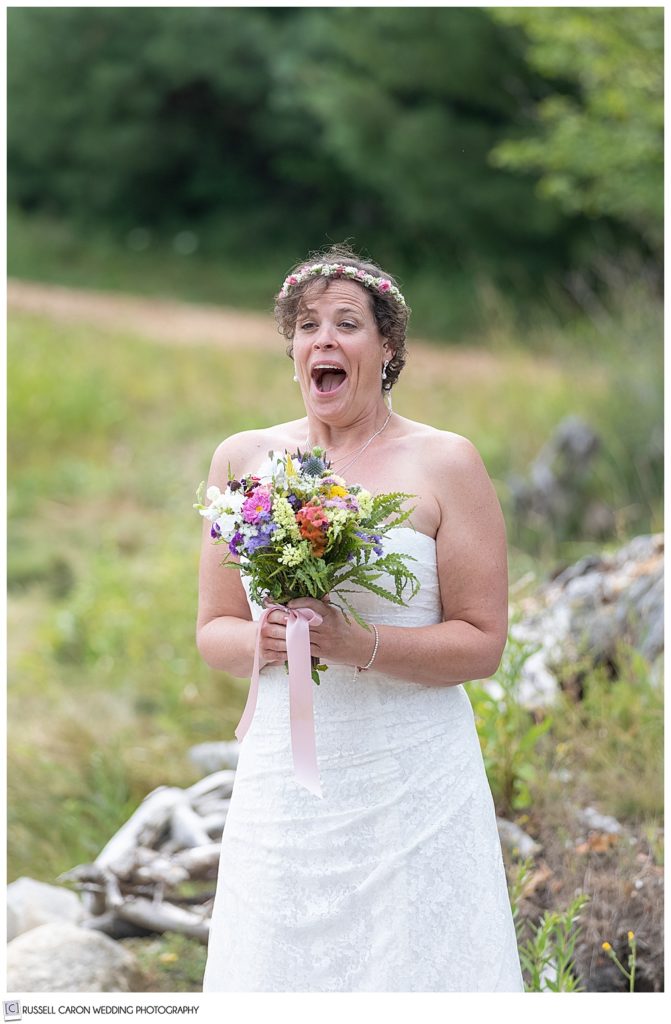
x,y
328,378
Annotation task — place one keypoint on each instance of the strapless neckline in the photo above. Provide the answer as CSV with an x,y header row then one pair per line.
x,y
394,529
415,533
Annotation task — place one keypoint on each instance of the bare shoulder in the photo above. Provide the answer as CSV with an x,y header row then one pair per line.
x,y
443,450
465,485
241,452
455,452
471,518
246,450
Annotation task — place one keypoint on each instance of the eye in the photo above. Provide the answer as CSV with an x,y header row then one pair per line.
x,y
308,323
347,323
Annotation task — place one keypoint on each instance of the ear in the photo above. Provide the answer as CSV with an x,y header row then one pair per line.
x,y
389,352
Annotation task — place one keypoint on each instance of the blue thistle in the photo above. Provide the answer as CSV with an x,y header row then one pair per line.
x,y
313,466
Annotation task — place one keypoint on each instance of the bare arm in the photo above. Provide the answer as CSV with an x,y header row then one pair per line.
x,y
473,576
472,563
225,631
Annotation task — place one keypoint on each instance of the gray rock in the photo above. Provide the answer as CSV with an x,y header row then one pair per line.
x,y
31,903
211,757
590,817
554,493
516,839
65,958
581,615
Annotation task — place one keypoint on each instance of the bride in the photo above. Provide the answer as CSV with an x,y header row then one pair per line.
x,y
394,881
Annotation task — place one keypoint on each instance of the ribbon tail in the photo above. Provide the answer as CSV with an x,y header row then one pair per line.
x,y
252,695
301,712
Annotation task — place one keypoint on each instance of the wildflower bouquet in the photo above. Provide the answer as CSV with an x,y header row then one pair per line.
x,y
301,530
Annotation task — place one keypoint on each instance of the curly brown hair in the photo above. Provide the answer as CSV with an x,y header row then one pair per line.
x,y
390,316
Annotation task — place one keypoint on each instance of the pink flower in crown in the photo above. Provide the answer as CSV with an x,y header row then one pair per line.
x,y
384,285
361,273
257,505
292,279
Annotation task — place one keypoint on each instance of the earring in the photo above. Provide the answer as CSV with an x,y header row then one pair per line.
x,y
295,377
384,369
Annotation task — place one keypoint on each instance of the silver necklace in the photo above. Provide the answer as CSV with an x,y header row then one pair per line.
x,y
361,450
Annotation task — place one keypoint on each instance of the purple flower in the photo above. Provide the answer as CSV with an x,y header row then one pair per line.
x,y
262,538
372,538
234,543
215,531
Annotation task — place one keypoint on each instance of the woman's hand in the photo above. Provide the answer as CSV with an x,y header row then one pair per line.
x,y
334,640
273,638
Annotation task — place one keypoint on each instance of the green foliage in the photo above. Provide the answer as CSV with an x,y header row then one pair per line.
x,y
547,949
508,734
297,125
598,136
616,734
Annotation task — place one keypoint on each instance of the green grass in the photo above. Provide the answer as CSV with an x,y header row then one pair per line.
x,y
43,248
237,264
170,962
109,436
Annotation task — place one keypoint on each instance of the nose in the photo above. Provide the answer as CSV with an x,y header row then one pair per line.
x,y
324,338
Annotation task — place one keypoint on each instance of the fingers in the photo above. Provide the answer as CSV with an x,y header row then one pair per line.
x,y
308,602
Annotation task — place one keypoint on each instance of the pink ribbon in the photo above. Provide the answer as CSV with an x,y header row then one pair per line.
x,y
301,714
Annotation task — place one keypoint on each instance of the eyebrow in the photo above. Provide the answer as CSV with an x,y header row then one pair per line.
x,y
339,309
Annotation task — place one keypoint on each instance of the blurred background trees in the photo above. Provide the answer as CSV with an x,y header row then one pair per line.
x,y
473,148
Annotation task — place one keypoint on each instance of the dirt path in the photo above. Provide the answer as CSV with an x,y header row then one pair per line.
x,y
182,323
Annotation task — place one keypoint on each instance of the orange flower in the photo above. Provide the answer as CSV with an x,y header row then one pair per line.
x,y
312,523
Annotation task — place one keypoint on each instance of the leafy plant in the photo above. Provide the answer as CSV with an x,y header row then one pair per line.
x,y
508,733
547,952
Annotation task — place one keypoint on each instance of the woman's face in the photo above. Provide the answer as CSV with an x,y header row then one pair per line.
x,y
335,326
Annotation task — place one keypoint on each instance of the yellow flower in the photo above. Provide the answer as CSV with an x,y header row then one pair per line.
x,y
630,936
606,946
336,491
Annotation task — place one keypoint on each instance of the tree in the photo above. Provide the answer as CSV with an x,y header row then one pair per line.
x,y
598,143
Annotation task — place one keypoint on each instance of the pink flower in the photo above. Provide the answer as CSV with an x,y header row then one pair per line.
x,y
384,285
256,505
292,279
361,273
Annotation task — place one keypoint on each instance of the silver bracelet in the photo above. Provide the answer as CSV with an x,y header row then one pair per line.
x,y
363,668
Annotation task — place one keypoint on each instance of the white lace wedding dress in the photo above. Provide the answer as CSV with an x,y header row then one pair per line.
x,y
394,880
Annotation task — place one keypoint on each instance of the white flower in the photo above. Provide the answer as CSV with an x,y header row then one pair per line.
x,y
210,513
227,523
234,500
222,502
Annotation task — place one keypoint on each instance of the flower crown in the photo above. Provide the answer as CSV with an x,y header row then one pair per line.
x,y
378,284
